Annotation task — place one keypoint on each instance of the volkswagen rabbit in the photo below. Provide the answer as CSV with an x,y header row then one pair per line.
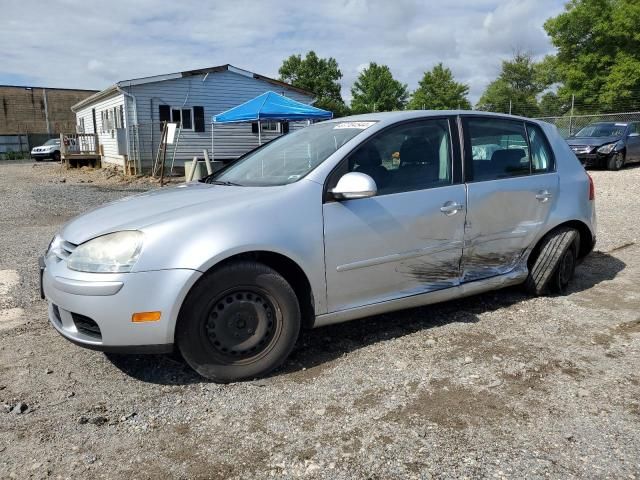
x,y
335,221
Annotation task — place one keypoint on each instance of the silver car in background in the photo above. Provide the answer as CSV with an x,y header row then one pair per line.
x,y
336,221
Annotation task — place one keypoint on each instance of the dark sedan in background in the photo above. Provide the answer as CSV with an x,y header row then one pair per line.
x,y
609,145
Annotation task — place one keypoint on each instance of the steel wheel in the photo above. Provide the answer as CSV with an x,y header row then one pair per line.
x,y
239,321
242,324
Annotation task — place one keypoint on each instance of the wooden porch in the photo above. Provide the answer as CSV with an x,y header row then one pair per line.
x,y
80,149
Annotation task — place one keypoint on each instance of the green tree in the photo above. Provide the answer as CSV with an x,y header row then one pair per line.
x,y
376,90
598,57
516,89
438,90
321,76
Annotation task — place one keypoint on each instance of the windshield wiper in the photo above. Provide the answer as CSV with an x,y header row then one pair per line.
x,y
222,182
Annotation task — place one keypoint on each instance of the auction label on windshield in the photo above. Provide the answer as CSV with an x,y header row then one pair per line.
x,y
358,125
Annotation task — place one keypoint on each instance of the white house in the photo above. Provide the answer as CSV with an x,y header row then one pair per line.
x,y
128,116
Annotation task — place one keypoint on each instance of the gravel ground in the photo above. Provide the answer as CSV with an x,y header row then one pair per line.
x,y
498,385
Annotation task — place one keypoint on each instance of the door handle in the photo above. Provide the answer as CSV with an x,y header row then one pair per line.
x,y
451,208
543,196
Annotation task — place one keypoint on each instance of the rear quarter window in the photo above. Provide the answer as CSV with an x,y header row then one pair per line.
x,y
542,159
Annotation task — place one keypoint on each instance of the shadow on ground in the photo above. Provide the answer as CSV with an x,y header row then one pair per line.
x,y
321,346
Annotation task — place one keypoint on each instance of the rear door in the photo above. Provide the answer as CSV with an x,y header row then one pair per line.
x,y
511,186
408,238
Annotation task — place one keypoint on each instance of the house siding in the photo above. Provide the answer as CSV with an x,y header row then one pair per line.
x,y
215,92
109,139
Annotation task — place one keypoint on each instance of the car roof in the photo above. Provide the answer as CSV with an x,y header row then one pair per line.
x,y
610,123
392,117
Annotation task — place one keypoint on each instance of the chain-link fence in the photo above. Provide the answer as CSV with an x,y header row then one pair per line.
x,y
569,125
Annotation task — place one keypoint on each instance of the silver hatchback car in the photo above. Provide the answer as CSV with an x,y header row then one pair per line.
x,y
339,220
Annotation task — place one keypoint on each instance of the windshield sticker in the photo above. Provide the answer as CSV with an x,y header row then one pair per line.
x,y
357,125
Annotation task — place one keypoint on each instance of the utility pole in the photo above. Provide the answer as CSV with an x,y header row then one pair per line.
x,y
573,101
510,104
46,111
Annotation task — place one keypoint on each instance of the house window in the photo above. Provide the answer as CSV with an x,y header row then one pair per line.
x,y
107,118
118,116
270,126
184,115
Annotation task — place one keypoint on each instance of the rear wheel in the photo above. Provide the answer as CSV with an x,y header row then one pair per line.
x,y
239,322
555,264
616,162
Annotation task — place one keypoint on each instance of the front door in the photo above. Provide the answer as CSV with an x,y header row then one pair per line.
x,y
511,185
633,142
408,238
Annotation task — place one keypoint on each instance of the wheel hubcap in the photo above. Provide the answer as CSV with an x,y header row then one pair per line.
x,y
241,323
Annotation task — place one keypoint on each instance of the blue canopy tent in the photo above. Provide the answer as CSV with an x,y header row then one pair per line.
x,y
271,106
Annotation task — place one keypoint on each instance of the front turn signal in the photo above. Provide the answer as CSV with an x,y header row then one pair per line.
x,y
141,317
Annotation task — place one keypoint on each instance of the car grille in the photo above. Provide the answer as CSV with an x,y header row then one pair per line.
x,y
581,148
86,326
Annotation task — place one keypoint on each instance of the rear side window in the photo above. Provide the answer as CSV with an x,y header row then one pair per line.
x,y
541,156
496,148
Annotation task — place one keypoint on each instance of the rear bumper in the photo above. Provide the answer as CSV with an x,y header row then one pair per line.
x,y
96,311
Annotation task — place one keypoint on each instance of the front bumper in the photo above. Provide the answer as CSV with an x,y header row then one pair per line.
x,y
94,310
41,154
594,159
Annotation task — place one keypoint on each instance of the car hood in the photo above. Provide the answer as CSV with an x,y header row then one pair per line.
x,y
594,141
139,211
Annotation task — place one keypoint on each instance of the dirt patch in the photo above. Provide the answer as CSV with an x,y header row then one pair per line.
x,y
453,406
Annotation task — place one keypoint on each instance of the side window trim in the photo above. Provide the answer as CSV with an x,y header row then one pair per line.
x,y
526,136
456,154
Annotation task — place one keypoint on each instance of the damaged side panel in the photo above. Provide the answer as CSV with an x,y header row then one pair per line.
x,y
504,217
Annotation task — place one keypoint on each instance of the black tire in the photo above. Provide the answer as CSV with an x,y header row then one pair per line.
x,y
38,159
56,156
239,322
553,268
616,161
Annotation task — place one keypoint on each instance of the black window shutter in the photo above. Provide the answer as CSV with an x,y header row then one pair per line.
x,y
285,127
198,119
254,127
165,114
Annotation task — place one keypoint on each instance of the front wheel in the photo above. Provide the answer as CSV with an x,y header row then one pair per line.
x,y
239,322
616,162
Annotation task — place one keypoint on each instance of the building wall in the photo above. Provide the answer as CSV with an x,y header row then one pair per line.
x,y
22,109
107,137
216,92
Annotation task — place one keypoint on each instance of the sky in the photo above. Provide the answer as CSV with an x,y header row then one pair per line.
x,y
91,45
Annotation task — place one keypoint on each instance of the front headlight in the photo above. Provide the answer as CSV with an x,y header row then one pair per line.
x,y
112,253
607,149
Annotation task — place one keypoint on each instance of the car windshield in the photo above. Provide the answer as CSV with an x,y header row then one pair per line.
x,y
53,141
291,157
603,130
